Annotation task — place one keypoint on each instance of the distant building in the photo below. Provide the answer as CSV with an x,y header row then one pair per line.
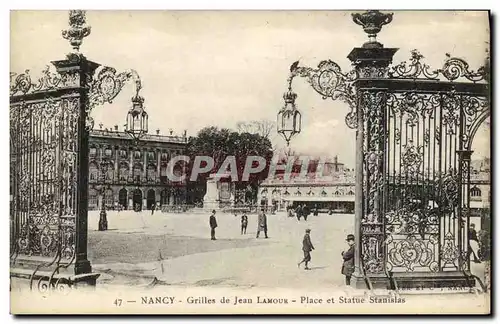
x,y
133,175
333,191
480,187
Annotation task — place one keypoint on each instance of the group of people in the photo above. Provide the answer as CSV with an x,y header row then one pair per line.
x,y
302,211
307,246
261,225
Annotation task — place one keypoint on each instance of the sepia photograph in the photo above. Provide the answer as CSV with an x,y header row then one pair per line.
x,y
250,162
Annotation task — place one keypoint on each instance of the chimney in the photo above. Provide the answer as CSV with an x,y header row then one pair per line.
x,y
185,133
158,131
116,128
171,131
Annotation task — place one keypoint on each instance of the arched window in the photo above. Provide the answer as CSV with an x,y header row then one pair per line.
x,y
123,171
110,171
108,197
475,192
93,171
92,198
137,172
108,152
151,172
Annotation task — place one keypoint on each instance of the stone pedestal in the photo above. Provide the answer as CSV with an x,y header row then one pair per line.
x,y
211,198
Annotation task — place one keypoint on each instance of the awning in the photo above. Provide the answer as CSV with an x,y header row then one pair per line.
x,y
319,199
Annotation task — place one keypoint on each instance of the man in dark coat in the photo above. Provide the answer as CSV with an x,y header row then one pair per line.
x,y
298,211
305,212
244,223
473,245
348,256
262,225
307,247
213,225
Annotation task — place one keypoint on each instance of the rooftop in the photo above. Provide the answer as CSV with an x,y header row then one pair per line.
x,y
115,134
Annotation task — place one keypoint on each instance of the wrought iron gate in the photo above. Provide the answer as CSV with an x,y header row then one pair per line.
x,y
418,129
415,128
49,133
48,143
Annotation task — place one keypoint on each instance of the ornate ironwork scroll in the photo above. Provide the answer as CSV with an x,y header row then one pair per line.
x,y
453,69
106,85
373,103
330,82
21,84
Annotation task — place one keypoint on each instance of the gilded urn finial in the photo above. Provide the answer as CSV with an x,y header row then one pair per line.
x,y
372,22
78,29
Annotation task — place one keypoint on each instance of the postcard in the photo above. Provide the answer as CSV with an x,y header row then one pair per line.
x,y
250,162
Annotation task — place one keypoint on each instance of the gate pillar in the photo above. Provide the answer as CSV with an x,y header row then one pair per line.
x,y
371,63
82,70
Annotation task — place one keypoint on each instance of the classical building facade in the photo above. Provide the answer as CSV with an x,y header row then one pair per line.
x,y
333,191
133,174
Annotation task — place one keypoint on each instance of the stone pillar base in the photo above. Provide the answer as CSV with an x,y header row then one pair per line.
x,y
210,205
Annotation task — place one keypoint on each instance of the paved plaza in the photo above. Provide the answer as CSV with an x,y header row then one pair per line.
x,y
177,250
134,242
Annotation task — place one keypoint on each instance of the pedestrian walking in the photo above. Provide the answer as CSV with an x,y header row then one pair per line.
x,y
315,210
153,207
262,223
244,223
348,256
305,212
213,225
473,245
298,212
307,247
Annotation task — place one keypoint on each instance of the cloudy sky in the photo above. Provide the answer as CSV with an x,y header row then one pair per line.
x,y
219,68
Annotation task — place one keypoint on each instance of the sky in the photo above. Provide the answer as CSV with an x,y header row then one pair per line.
x,y
204,68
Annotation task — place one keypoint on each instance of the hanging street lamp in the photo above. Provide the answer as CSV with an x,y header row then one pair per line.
x,y
289,117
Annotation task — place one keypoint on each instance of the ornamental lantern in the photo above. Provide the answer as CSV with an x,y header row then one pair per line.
x,y
289,118
137,118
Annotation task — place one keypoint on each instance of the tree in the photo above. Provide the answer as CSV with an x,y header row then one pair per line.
x,y
221,143
262,127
